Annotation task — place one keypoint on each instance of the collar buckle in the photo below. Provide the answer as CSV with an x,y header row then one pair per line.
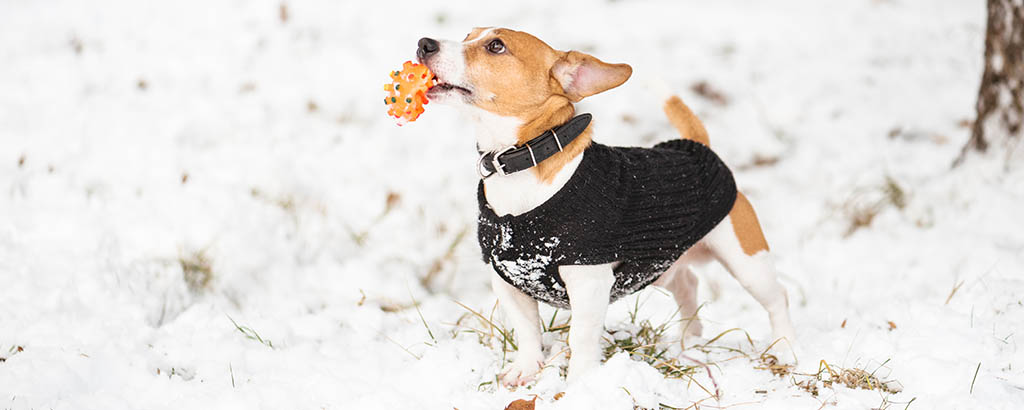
x,y
480,170
499,168
520,158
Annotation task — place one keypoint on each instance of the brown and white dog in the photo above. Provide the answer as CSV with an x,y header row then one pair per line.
x,y
514,87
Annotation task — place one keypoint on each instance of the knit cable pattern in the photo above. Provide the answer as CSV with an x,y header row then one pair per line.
x,y
640,207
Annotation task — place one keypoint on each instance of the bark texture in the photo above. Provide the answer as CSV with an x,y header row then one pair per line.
x,y
999,123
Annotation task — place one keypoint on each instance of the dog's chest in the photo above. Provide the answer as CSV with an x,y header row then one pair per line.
x,y
518,193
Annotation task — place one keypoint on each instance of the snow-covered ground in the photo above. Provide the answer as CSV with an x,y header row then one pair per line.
x,y
170,169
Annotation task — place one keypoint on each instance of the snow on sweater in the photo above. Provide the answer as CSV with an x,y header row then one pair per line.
x,y
641,207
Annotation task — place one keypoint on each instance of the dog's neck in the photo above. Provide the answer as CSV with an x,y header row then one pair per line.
x,y
522,191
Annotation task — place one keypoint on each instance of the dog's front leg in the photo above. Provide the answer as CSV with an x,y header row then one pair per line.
x,y
589,289
521,310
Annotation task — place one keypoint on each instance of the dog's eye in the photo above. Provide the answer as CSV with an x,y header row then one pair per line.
x,y
496,47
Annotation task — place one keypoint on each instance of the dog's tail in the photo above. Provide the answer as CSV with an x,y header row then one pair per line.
x,y
685,121
688,125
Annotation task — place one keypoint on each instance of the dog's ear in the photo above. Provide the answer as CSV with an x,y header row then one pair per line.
x,y
582,75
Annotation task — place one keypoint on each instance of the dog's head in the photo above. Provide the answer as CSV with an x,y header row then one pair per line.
x,y
513,74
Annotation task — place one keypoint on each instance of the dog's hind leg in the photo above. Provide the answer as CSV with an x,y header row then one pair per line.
x,y
680,280
737,242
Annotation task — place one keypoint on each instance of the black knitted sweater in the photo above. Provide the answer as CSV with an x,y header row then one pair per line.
x,y
641,207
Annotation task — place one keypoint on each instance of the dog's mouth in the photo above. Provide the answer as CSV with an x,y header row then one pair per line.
x,y
441,87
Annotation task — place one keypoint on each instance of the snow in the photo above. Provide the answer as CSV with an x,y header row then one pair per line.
x,y
134,135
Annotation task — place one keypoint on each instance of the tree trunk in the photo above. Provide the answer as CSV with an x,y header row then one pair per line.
x,y
999,124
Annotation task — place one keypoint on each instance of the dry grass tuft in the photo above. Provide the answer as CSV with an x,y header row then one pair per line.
x,y
771,363
286,202
197,270
830,375
759,161
710,93
445,260
489,332
391,201
865,204
646,341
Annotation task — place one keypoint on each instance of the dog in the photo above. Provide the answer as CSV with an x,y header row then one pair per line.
x,y
576,224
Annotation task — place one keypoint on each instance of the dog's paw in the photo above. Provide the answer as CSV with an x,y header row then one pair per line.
x,y
580,366
693,328
786,351
520,372
794,355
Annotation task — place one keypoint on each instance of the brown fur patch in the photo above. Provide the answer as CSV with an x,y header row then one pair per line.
x,y
520,83
515,83
746,227
547,170
688,125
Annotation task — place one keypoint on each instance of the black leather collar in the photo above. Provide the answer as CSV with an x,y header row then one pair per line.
x,y
513,159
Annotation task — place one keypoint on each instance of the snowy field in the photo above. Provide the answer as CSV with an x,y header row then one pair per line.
x,y
203,205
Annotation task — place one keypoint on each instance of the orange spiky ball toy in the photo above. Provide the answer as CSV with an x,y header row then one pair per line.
x,y
407,93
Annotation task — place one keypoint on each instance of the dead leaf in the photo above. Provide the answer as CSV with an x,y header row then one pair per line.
x,y
559,395
892,326
392,201
522,404
843,325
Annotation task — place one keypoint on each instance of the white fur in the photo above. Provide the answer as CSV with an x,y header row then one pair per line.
x,y
521,310
493,131
449,64
483,34
518,193
756,273
589,288
680,280
522,191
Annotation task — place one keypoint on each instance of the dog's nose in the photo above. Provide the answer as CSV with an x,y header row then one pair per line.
x,y
427,47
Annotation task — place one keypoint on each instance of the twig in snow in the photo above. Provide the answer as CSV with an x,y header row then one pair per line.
x,y
976,369
953,292
714,382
